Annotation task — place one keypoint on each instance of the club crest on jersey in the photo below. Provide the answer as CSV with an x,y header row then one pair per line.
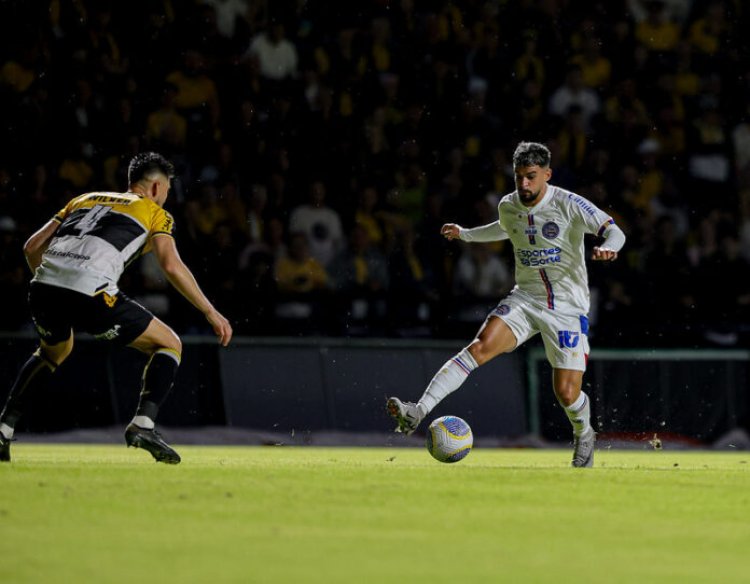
x,y
502,309
168,223
550,230
568,339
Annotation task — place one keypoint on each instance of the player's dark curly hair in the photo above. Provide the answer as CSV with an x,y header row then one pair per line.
x,y
531,154
145,163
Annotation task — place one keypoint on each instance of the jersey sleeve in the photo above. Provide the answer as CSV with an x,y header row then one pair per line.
x,y
490,232
65,211
589,216
162,223
614,238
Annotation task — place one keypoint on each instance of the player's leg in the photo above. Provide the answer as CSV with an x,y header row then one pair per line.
x,y
494,338
165,350
567,384
34,375
566,345
120,320
576,404
50,310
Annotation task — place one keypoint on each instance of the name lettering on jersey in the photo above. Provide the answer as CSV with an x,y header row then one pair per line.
x,y
582,203
568,339
539,257
110,199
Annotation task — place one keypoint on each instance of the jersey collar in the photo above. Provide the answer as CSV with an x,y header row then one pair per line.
x,y
541,204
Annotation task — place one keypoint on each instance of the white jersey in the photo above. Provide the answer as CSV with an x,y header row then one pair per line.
x,y
548,244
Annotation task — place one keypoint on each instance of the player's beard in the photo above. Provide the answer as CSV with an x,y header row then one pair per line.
x,y
528,196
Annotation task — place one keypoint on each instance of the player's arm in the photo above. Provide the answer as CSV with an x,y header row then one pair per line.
x,y
37,244
180,276
490,232
614,240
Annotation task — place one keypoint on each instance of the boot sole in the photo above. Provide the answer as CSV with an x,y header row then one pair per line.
x,y
159,455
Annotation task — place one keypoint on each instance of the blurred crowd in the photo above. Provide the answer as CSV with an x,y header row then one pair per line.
x,y
321,145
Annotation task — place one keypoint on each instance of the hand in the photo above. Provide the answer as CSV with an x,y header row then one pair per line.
x,y
450,231
221,327
603,254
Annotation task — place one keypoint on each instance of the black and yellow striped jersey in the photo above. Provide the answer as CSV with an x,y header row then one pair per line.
x,y
98,236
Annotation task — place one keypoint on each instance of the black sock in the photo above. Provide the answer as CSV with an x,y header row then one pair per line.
x,y
34,374
158,378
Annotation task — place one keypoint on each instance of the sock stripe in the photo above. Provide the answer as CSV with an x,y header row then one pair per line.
x,y
170,353
462,365
448,379
580,415
585,403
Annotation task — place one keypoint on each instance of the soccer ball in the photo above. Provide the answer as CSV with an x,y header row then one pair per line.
x,y
449,439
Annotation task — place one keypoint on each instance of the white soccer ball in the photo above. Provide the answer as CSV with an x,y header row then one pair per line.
x,y
449,439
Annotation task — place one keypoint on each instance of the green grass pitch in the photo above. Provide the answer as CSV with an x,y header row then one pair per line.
x,y
282,514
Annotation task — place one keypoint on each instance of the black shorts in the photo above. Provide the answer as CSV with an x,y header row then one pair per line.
x,y
109,318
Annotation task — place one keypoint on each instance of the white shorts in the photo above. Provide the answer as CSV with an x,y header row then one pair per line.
x,y
565,336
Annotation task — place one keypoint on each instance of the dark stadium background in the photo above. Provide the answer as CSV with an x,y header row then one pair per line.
x,y
400,115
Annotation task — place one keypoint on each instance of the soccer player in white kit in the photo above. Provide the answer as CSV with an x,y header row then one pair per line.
x,y
546,225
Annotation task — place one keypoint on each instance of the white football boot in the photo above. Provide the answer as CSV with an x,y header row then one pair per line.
x,y
583,449
407,414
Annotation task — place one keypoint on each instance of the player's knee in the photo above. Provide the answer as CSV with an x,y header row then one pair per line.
x,y
480,351
567,392
167,339
173,344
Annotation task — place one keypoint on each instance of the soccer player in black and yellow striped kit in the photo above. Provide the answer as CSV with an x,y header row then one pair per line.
x,y
77,259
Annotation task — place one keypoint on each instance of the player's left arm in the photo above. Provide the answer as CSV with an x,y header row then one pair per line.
x,y
484,233
614,240
37,244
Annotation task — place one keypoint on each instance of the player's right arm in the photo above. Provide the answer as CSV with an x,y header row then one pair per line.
x,y
37,244
490,232
180,276
614,239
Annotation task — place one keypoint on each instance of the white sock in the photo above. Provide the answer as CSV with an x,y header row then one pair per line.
x,y
447,380
6,431
143,422
579,414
